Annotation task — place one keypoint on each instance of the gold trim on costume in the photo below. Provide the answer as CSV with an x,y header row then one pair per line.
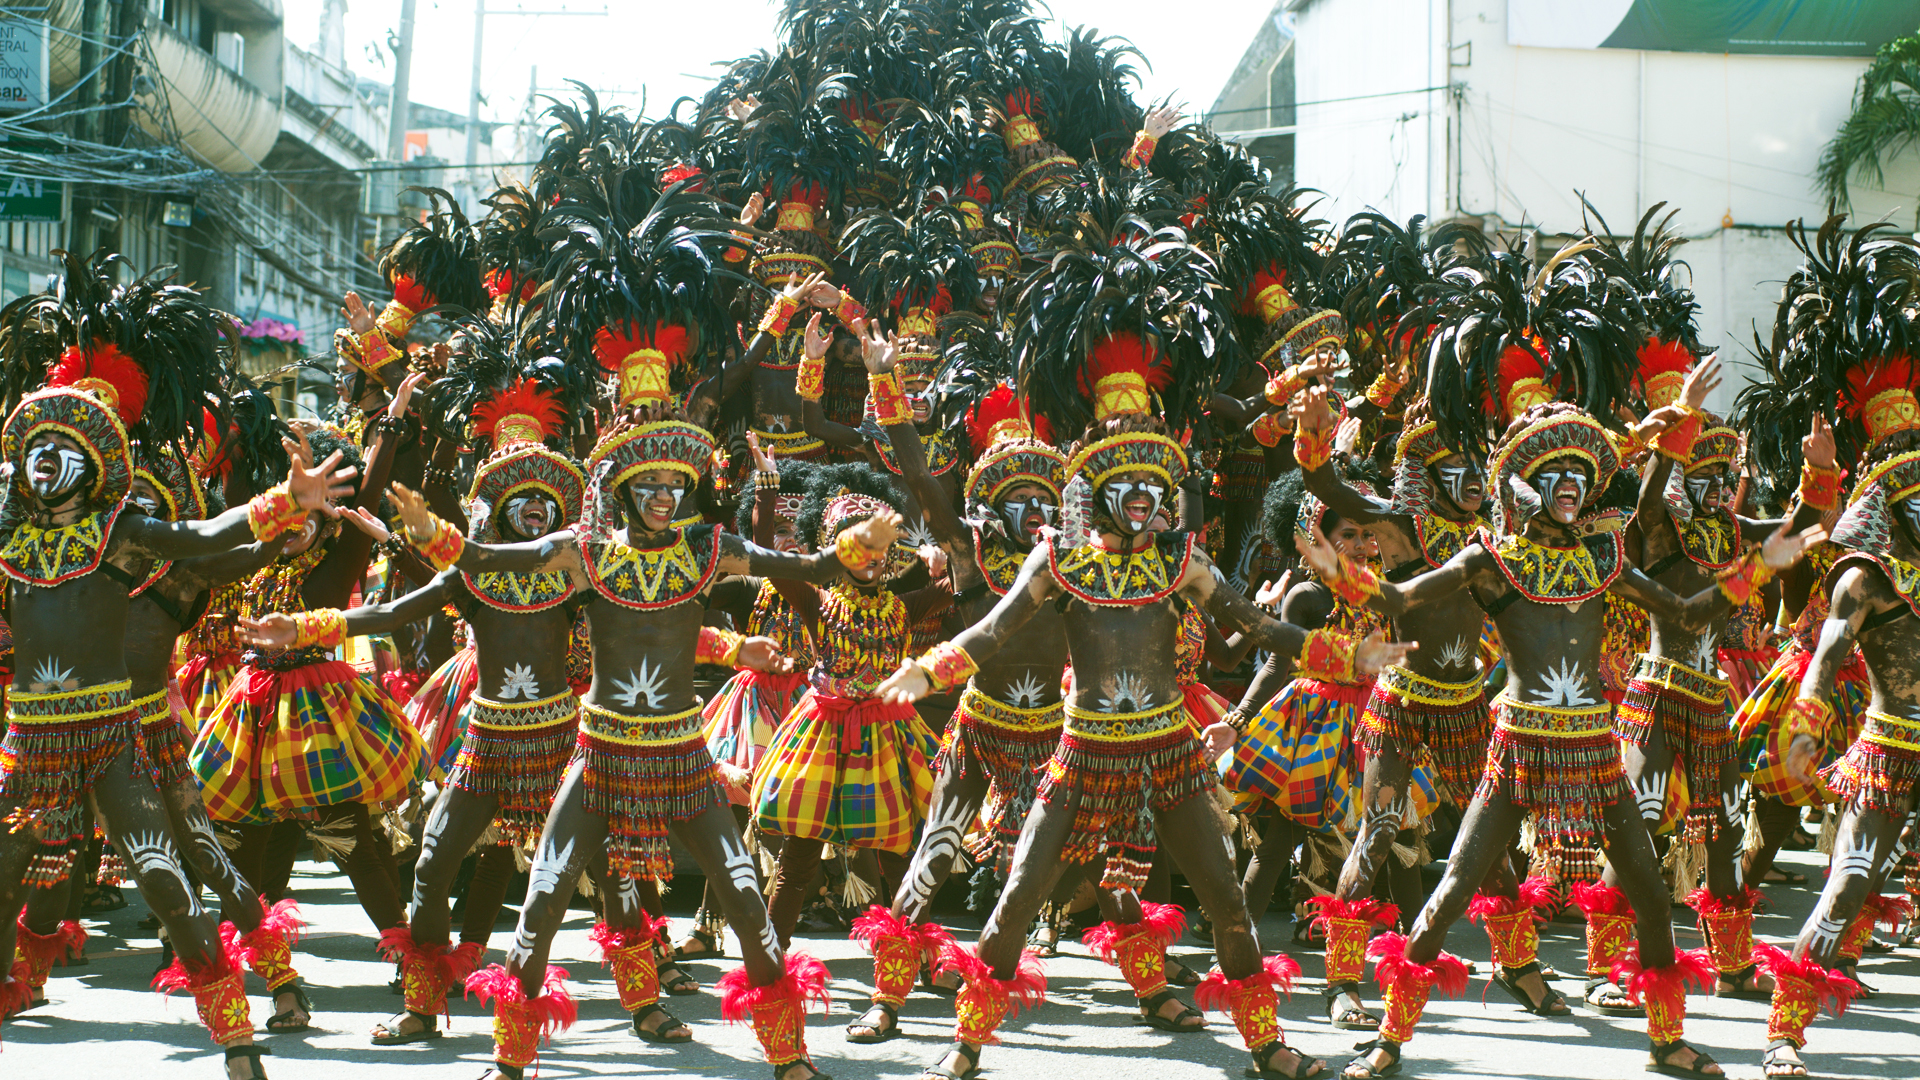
x,y
611,726
979,705
562,705
1408,685
1878,720
106,699
144,706
1681,679
1127,727
1580,722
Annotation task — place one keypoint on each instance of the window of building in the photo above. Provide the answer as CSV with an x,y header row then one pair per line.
x,y
1280,100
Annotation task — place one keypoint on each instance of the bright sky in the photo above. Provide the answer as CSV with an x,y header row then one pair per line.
x,y
663,48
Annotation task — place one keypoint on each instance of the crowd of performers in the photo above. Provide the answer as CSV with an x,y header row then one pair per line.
x,y
980,425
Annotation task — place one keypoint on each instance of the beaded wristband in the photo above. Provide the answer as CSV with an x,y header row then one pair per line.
x,y
946,666
848,309
322,627
810,382
718,646
1269,429
1355,582
442,548
889,401
1819,486
1384,388
1141,152
853,554
1677,440
1282,387
766,481
736,252
1312,449
273,513
1236,719
1740,582
779,314
1326,655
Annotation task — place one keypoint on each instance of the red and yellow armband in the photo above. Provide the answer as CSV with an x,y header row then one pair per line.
x,y
946,666
779,314
1327,655
1282,387
1312,449
853,554
737,252
1741,582
321,627
1806,716
1269,429
810,382
848,309
1354,583
1141,152
1677,440
718,646
889,400
1385,387
273,513
1820,487
442,548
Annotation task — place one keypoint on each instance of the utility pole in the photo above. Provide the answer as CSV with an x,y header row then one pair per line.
x,y
480,14
402,73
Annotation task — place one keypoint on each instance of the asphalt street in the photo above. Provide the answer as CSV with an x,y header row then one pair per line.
x,y
103,1021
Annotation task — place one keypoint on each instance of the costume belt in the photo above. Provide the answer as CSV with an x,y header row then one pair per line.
x,y
66,706
979,705
1554,722
1892,732
608,726
1406,684
519,717
153,708
1126,727
1709,690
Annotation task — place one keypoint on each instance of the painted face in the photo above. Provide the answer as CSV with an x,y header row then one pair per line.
x,y
785,536
1709,488
1461,481
307,535
1131,500
1026,507
57,469
989,293
1562,484
529,516
654,497
147,498
919,397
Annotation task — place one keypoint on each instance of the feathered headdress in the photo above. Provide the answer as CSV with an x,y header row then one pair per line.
x,y
432,263
1010,448
1658,284
510,249
1394,271
920,272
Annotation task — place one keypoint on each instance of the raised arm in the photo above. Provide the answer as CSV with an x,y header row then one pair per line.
x,y
857,548
1314,425
280,630
1820,478
212,571
880,353
1387,597
266,516
345,564
950,664
443,546
1735,587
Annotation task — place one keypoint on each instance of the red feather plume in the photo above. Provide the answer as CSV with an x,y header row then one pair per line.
x,y
103,362
613,345
1867,381
411,294
524,398
1127,352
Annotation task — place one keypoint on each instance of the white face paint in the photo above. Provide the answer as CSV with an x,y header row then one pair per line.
x,y
1116,492
72,465
648,683
941,843
1017,514
152,853
520,683
1650,792
1566,687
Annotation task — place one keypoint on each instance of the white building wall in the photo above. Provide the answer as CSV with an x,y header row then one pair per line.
x,y
1731,141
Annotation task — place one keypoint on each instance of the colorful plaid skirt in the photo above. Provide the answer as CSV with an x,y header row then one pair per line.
x,y
1763,753
438,710
55,749
1114,767
1010,745
740,720
203,684
164,738
1296,755
1882,766
1449,721
517,752
857,772
1690,709
1562,764
283,743
643,773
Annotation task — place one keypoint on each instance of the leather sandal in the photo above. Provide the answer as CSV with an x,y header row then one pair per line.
x,y
1772,1061
1598,988
709,947
282,1023
390,1034
1360,1059
257,1070
1508,979
1339,1010
1696,1071
659,1035
875,1033
675,979
1150,1014
1305,1069
935,1072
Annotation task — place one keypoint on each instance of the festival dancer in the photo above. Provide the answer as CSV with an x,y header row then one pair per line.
x,y
74,554
1553,750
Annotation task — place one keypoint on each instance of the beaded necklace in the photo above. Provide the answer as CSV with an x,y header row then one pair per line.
x,y
276,587
862,635
773,617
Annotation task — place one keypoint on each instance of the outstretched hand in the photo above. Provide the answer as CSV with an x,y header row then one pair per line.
x,y
1318,553
1270,593
314,487
762,461
756,204
1781,551
1310,412
905,686
878,532
412,507
1160,120
354,310
1376,652
271,631
879,351
397,408
361,518
763,654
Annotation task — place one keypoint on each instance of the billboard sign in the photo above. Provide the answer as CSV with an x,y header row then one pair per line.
x,y
23,63
1753,27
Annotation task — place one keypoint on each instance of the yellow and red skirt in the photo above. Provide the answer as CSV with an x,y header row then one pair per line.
x,y
1296,754
1112,768
56,748
1450,720
740,720
1689,707
1561,763
284,742
1745,668
203,684
1763,756
1882,766
163,738
438,710
643,773
1011,745
857,772
517,752
1205,706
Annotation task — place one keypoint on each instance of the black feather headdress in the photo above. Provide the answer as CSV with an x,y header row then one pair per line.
x,y
436,261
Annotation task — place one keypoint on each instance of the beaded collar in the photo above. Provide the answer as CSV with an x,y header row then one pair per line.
x,y
1712,542
999,563
938,448
46,557
1121,578
648,579
863,637
520,592
1442,538
1549,575
1904,576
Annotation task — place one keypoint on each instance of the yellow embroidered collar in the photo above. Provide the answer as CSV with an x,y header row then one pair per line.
x,y
47,557
520,592
1712,542
1904,576
1551,575
648,579
999,563
1122,578
1441,538
937,448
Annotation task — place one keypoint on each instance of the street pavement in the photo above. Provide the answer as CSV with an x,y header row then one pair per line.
x,y
104,1022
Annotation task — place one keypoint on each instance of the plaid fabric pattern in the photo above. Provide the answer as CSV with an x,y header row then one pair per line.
x,y
740,720
643,773
203,683
1296,754
285,742
1763,754
1011,745
1690,709
438,710
163,739
1446,724
1205,706
850,771
516,753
